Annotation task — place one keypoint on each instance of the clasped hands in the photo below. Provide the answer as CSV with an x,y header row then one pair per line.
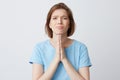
x,y
60,53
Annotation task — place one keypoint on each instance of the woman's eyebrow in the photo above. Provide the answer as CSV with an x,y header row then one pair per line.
x,y
60,16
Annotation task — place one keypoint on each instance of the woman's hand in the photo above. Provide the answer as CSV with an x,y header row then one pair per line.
x,y
58,54
60,49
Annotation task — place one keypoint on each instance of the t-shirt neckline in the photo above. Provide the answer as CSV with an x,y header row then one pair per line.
x,y
73,41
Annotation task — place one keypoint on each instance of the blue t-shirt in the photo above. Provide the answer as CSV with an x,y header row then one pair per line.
x,y
76,53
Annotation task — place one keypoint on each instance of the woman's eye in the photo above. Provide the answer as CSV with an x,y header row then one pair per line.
x,y
65,18
54,18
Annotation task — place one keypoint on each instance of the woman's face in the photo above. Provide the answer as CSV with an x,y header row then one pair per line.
x,y
59,22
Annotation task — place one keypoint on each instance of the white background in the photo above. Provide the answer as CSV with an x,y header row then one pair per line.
x,y
22,26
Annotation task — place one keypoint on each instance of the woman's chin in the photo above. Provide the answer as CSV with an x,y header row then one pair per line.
x,y
59,33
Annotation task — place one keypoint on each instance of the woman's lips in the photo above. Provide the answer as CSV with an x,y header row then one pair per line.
x,y
59,27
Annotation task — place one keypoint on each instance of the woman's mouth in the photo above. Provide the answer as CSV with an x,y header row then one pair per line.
x,y
60,27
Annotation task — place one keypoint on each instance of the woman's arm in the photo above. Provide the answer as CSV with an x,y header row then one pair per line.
x,y
84,71
38,73
74,75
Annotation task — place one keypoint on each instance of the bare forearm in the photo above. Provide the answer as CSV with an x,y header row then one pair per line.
x,y
74,75
48,74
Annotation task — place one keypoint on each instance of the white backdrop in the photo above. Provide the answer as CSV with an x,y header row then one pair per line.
x,y
22,26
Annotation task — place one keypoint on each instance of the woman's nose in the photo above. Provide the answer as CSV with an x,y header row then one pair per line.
x,y
59,20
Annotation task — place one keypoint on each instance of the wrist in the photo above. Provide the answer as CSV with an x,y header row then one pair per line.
x,y
56,59
64,60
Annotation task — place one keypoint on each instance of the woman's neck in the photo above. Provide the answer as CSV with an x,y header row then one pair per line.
x,y
64,40
56,38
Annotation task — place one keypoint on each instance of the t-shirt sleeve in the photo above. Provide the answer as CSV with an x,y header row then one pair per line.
x,y
36,56
84,59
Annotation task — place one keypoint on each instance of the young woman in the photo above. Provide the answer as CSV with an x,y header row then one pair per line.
x,y
60,58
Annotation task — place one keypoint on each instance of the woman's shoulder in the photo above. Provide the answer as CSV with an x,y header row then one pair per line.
x,y
79,43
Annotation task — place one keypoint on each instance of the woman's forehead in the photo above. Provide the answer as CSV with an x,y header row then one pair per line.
x,y
60,12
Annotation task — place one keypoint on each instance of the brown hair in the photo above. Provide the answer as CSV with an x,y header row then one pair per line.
x,y
70,15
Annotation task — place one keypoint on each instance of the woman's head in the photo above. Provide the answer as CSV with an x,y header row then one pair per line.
x,y
59,6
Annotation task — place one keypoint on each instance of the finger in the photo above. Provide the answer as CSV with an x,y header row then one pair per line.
x,y
59,47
